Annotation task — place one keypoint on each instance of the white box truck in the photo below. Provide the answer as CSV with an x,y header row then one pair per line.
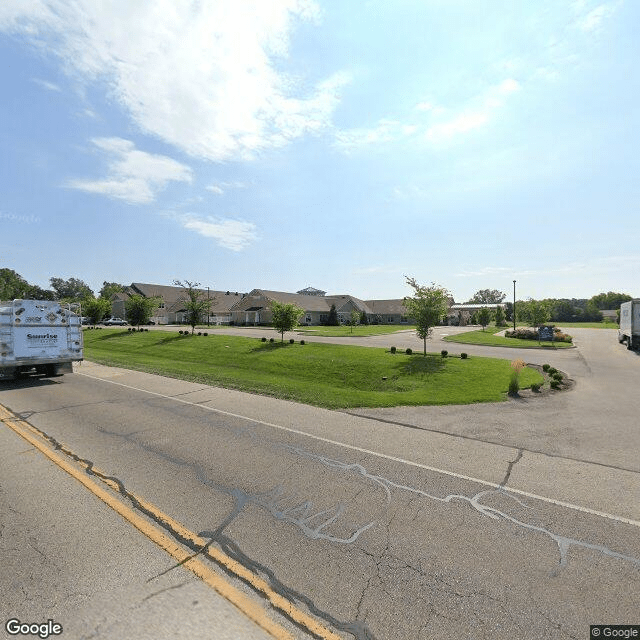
x,y
39,336
629,330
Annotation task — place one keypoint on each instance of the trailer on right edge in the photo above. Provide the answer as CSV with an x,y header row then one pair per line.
x,y
629,330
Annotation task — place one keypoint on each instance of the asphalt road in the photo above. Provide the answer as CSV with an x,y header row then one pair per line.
x,y
506,520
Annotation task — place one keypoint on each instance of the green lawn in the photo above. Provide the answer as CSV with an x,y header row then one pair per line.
x,y
586,325
359,330
487,337
325,375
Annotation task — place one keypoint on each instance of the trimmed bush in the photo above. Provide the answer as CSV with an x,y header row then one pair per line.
x,y
555,384
199,333
408,351
291,340
180,332
552,370
536,386
271,340
463,356
263,339
205,334
557,376
393,349
546,367
444,353
301,341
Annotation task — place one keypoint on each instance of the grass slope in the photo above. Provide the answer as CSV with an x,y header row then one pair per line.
x,y
325,375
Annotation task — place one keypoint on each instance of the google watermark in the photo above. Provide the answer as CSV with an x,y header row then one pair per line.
x,y
41,629
597,631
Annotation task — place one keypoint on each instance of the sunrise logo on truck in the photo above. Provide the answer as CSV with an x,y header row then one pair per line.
x,y
42,339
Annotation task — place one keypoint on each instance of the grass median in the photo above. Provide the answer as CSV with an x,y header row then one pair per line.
x,y
324,375
488,338
359,330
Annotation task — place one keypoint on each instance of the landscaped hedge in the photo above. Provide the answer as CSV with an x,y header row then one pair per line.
x,y
532,334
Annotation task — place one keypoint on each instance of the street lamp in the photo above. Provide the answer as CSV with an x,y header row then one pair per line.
x,y
208,308
514,305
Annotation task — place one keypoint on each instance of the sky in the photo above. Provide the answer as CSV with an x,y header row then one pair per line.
x,y
282,144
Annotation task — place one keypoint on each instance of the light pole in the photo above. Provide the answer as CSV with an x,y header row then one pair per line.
x,y
514,305
208,308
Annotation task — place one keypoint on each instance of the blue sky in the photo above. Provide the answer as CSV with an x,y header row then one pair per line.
x,y
333,144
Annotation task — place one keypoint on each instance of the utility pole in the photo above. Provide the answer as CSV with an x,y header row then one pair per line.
x,y
514,305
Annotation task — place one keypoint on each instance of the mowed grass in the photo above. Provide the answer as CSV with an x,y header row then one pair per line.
x,y
487,337
325,375
587,325
359,330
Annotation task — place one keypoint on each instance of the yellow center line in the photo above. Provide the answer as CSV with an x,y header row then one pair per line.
x,y
175,550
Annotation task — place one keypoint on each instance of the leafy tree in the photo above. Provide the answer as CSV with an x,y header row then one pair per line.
x,y
354,319
484,316
508,311
196,305
364,318
109,288
427,307
285,316
610,300
500,317
12,285
139,309
96,309
71,289
487,296
534,312
333,320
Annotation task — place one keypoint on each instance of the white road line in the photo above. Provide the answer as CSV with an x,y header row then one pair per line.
x,y
453,474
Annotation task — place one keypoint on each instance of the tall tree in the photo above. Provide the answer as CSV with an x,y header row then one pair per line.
x,y
109,288
610,300
500,317
484,316
487,296
333,320
534,312
71,289
96,309
196,304
139,309
12,285
285,316
364,318
427,307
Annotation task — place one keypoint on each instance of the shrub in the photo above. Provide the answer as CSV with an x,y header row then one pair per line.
x,y
180,332
536,387
557,376
291,340
408,351
271,340
555,384
546,367
552,370
444,353
464,356
514,384
199,333
263,339
393,349
301,341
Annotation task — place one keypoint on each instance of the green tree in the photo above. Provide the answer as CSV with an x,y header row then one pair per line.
x,y
71,289
500,317
484,316
96,309
487,296
364,318
139,309
285,316
13,285
427,307
610,300
333,320
534,312
196,304
354,319
109,288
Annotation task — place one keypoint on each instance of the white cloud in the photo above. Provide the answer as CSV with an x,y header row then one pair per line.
x,y
228,232
222,187
592,20
438,124
45,84
202,76
133,175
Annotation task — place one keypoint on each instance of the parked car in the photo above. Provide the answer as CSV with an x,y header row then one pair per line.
x,y
110,322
